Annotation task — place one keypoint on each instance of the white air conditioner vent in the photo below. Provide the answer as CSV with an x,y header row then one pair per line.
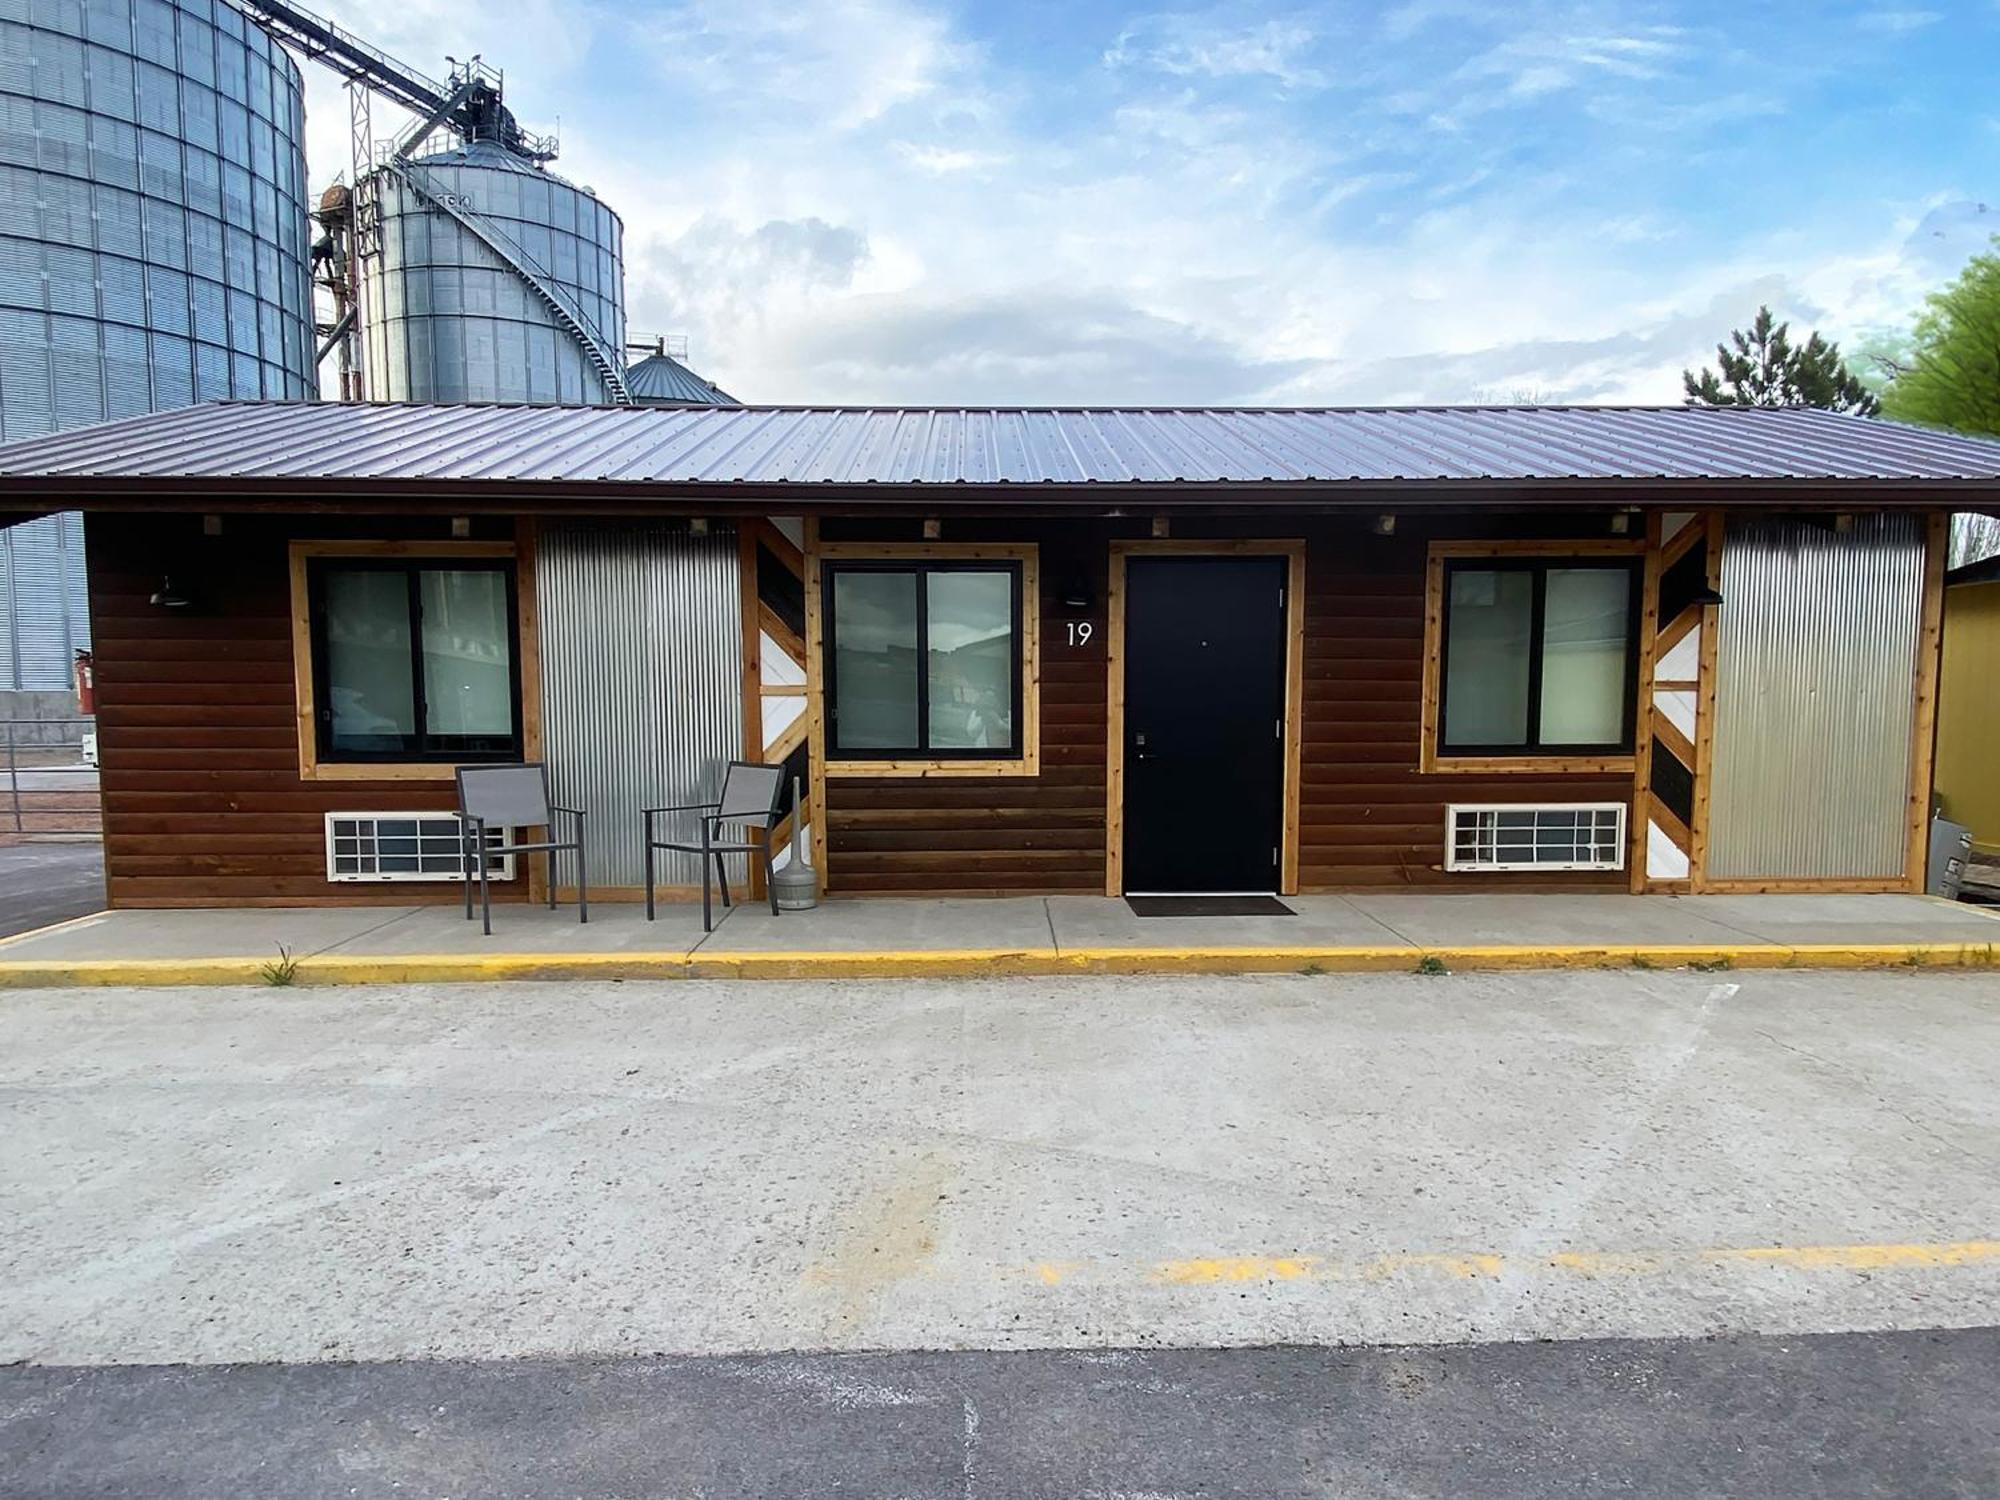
x,y
1517,836
403,846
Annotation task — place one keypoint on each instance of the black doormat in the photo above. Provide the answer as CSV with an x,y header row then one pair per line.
x,y
1208,906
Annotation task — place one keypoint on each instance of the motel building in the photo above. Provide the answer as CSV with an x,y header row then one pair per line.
x,y
1020,651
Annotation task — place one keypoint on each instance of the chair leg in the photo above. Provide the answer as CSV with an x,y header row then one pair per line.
x,y
722,879
706,924
552,880
465,857
649,875
770,885
485,897
582,880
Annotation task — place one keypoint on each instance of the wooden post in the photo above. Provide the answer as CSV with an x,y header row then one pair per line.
x,y
1923,735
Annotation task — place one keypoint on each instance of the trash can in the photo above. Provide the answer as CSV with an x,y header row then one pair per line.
x,y
1951,846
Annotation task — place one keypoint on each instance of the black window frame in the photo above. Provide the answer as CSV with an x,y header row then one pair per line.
x,y
1534,746
922,568
423,747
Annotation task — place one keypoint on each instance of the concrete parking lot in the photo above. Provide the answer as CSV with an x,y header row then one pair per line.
x,y
716,1172
490,1171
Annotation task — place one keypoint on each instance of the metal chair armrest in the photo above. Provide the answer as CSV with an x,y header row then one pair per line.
x,y
680,807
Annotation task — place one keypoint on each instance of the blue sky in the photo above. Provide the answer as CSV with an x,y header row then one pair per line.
x,y
879,200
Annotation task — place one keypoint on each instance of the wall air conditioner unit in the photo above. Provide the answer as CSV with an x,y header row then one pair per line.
x,y
1551,837
364,846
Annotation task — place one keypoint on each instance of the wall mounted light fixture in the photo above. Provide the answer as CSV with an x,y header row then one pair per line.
x,y
166,596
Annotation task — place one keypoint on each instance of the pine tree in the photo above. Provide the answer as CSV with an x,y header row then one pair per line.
x,y
1766,370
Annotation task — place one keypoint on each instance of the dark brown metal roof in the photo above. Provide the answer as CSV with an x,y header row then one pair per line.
x,y
281,446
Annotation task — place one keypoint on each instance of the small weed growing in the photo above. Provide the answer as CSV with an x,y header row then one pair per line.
x,y
284,971
1640,961
1430,963
1313,970
1913,960
1710,965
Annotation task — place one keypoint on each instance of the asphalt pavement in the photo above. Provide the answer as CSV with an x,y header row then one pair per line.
x,y
42,883
1903,1416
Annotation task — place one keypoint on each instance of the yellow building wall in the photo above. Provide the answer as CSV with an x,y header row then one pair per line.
x,y
1968,732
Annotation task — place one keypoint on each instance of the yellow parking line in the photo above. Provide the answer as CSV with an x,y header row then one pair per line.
x,y
1214,1270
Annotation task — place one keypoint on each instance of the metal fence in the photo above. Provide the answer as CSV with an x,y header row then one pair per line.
x,y
51,774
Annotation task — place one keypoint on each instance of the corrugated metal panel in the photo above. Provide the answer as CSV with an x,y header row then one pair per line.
x,y
42,592
642,677
1816,677
951,446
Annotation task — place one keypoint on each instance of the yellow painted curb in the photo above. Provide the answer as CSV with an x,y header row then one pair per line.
x,y
898,963
975,963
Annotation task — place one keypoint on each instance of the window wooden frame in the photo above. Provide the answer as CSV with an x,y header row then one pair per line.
x,y
302,553
1555,551
1028,718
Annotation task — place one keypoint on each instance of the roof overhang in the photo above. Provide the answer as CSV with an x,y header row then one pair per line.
x,y
45,493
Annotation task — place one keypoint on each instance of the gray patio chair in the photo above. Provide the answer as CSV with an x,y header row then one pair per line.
x,y
749,797
516,797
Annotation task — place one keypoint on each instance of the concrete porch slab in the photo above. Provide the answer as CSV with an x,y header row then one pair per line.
x,y
1317,922
1025,935
205,933
1835,918
1499,919
614,927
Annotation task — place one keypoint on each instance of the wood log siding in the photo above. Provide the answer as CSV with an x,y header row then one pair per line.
x,y
1369,819
197,739
204,805
997,834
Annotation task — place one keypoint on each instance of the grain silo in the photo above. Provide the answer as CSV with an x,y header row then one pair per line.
x,y
661,377
153,241
491,279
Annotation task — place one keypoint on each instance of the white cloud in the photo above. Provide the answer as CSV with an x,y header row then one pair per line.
x,y
1218,46
1898,22
846,63
943,159
848,201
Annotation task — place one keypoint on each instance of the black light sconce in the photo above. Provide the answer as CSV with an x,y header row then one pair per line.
x,y
169,597
1706,596
1077,595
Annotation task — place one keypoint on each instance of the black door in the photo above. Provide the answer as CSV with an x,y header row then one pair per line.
x,y
1204,722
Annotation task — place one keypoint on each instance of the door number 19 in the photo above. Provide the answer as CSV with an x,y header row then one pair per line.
x,y
1079,632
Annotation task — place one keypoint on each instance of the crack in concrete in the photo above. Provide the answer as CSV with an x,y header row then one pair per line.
x,y
405,914
1847,1070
